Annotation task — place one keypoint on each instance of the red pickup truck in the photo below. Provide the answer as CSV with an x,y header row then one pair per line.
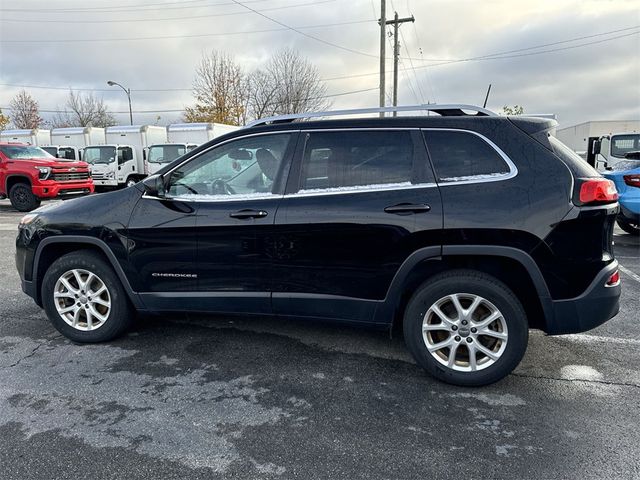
x,y
29,174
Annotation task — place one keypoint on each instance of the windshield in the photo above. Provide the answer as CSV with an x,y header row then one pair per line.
x,y
165,153
625,165
94,155
53,151
23,151
623,144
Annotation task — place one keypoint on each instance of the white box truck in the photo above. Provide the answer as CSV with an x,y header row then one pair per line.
x,y
36,136
602,143
121,160
68,143
182,138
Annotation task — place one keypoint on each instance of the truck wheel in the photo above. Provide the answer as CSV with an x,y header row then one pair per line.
x,y
22,198
84,299
627,226
466,328
131,181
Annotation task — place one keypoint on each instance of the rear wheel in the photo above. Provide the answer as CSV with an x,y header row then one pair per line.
x,y
84,299
22,198
466,328
628,226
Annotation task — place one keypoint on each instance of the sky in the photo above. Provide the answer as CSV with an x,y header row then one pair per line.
x,y
578,59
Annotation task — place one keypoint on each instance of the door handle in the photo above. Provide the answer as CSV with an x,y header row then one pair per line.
x,y
407,208
244,214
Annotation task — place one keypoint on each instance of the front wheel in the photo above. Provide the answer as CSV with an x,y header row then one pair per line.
x,y
22,198
466,328
629,227
84,299
131,181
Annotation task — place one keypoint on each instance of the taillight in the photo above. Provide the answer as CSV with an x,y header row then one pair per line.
x,y
614,280
632,180
597,190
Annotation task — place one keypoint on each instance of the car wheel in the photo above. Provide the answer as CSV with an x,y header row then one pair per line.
x,y
466,328
629,227
84,298
22,198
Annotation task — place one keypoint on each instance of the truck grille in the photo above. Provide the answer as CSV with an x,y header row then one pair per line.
x,y
70,176
99,176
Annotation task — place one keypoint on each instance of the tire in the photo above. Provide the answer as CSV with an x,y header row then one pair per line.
x,y
466,286
627,226
95,321
131,181
22,198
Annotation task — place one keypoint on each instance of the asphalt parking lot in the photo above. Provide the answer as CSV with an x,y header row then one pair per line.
x,y
256,398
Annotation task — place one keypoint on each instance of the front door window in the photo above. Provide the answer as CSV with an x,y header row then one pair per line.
x,y
247,167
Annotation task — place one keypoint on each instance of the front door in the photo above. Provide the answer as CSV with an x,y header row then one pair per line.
x,y
237,187
161,243
363,200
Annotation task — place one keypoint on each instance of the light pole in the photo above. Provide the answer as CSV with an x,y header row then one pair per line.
x,y
128,92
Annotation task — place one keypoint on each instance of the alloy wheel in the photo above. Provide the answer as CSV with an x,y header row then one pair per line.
x,y
82,299
465,332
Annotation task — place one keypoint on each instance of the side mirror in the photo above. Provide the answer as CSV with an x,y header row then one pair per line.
x,y
154,186
597,145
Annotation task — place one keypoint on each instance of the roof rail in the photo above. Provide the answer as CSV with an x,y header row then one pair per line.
x,y
443,109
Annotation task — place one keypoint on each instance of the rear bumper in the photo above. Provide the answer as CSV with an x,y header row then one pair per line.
x,y
595,306
62,189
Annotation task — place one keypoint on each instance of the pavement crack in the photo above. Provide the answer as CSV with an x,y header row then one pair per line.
x,y
574,380
30,354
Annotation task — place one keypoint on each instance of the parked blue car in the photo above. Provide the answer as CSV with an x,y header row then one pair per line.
x,y
626,176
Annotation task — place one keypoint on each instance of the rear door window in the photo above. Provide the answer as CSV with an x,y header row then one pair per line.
x,y
356,159
463,156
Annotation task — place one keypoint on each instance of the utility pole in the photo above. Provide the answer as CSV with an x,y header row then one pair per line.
x,y
383,39
396,52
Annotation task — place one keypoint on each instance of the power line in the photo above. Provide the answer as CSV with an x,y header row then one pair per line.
x,y
427,72
124,8
342,77
298,31
491,57
196,35
415,75
173,19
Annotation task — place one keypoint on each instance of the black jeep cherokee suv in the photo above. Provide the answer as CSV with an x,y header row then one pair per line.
x,y
465,230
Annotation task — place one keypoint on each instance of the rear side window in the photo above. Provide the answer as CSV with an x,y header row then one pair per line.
x,y
356,159
579,167
459,156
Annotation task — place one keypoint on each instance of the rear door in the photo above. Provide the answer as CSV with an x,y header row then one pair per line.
x,y
357,204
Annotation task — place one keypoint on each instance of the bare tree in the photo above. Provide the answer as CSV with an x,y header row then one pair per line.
x,y
220,90
24,111
289,83
83,111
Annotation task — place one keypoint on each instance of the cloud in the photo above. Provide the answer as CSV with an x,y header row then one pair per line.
x,y
593,82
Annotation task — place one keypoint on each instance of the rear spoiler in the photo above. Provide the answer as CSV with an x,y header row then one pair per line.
x,y
537,127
